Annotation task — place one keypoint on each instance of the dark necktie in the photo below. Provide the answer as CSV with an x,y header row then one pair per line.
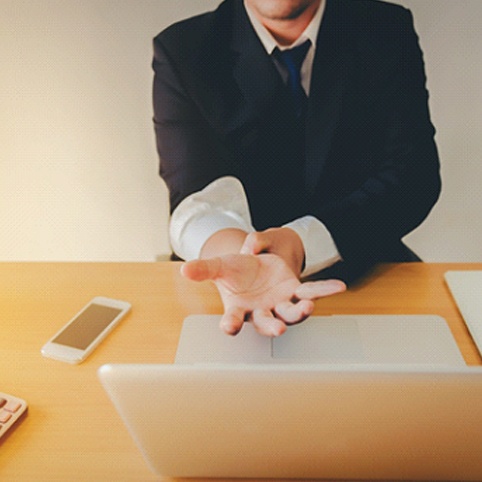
x,y
292,60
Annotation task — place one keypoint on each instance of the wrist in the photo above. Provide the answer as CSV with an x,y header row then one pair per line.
x,y
295,253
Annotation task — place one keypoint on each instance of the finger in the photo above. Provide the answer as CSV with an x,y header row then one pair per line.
x,y
317,289
201,269
292,313
233,320
255,243
266,324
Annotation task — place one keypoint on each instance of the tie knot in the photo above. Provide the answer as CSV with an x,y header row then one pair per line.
x,y
293,58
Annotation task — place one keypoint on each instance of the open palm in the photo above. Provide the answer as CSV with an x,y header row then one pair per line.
x,y
261,289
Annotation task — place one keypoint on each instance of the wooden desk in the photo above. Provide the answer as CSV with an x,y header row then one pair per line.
x,y
72,432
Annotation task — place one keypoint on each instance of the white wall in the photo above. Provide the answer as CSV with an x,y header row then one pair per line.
x,y
78,167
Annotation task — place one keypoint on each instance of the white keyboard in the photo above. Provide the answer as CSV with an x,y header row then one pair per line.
x,y
11,409
466,288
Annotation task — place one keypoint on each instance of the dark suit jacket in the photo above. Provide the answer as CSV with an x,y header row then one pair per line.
x,y
369,167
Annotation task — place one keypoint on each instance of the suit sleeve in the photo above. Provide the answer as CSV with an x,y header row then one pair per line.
x,y
190,154
397,196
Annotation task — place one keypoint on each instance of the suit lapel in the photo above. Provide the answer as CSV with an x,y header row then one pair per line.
x,y
331,71
260,84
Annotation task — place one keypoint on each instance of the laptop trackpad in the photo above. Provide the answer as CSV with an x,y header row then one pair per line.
x,y
323,340
355,339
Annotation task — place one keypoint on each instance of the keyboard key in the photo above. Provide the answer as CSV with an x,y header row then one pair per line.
x,y
12,406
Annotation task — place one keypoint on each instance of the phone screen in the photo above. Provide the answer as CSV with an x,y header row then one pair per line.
x,y
87,326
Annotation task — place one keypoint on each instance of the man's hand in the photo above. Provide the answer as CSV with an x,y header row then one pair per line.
x,y
262,289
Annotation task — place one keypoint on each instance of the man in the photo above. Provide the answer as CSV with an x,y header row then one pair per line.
x,y
296,134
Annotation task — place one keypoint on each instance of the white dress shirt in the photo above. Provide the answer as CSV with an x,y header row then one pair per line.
x,y
223,203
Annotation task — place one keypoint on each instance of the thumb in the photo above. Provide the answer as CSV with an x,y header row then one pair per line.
x,y
255,243
201,269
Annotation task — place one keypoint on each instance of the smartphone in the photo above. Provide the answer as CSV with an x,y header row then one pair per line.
x,y
81,335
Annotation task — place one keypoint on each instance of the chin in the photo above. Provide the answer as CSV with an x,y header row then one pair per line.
x,y
281,9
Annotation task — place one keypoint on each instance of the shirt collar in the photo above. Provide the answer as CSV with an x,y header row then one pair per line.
x,y
269,42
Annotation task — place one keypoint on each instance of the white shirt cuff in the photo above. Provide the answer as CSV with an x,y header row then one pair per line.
x,y
320,249
220,205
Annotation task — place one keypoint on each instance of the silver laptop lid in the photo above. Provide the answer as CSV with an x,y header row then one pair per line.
x,y
303,421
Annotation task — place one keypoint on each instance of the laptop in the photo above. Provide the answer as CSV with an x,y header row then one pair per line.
x,y
356,416
303,421
466,289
